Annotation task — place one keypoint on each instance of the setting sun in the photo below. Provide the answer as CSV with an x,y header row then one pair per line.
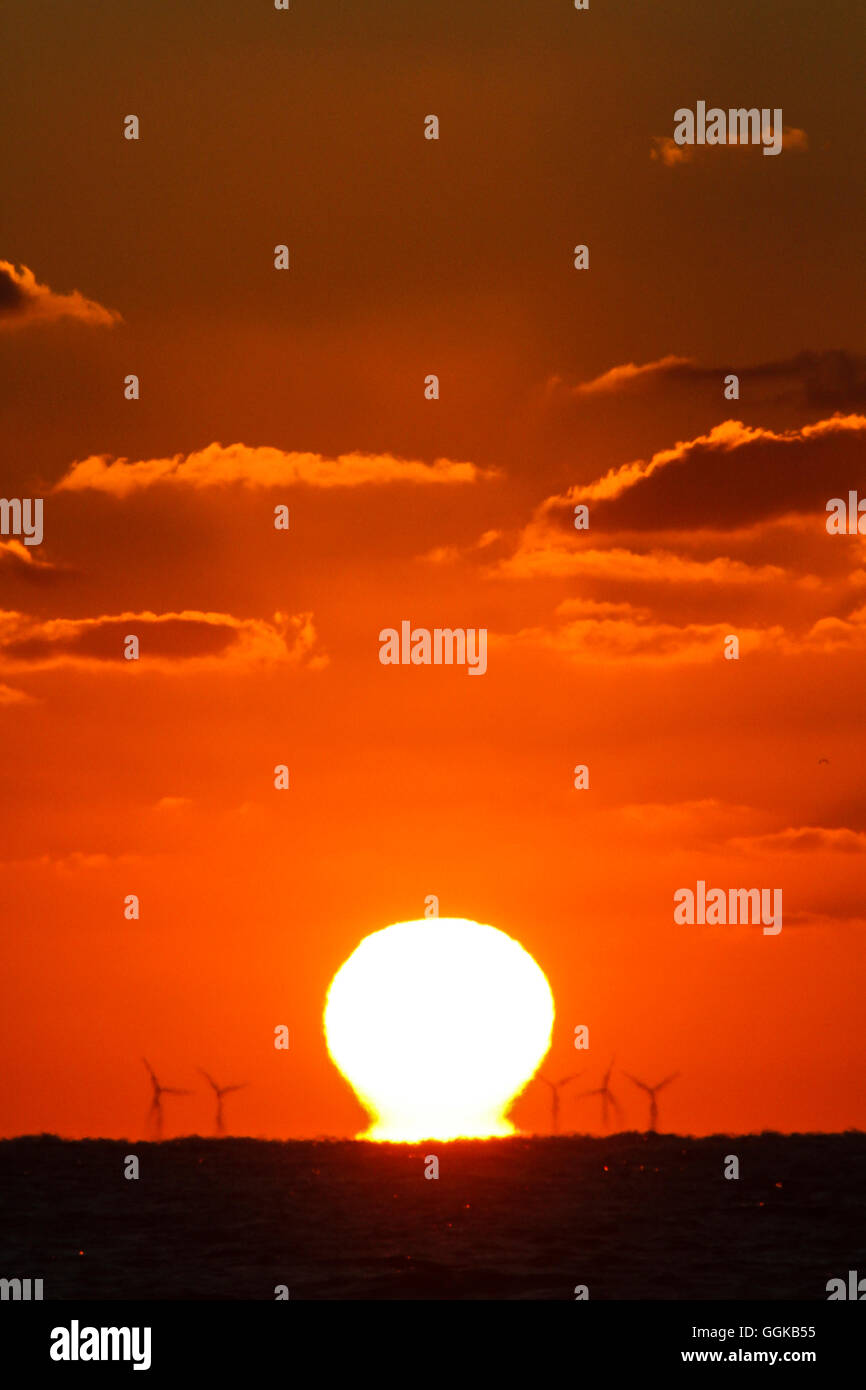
x,y
437,1025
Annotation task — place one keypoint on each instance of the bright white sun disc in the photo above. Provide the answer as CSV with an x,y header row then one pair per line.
x,y
437,1025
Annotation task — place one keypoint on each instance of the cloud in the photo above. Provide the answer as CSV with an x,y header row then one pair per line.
x,y
592,634
722,534
258,467
447,554
734,473
794,139
698,824
713,825
808,839
22,558
830,379
602,632
664,149
168,641
618,378
838,634
561,558
24,301
725,437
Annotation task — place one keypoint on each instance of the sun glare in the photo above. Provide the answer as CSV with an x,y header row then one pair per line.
x,y
437,1025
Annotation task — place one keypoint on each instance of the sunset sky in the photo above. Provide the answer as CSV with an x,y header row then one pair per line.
x,y
305,387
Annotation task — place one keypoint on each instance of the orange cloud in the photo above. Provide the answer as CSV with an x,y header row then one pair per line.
x,y
839,634
711,824
605,632
23,301
665,150
594,634
794,138
558,560
629,373
670,827
15,553
447,554
807,839
258,467
168,641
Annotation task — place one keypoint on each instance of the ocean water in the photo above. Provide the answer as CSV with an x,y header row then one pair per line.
x,y
632,1216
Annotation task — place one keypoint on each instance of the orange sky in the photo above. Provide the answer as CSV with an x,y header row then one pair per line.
x,y
261,647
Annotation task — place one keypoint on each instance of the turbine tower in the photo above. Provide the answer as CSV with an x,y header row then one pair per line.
x,y
155,1113
607,1097
219,1092
555,1087
651,1092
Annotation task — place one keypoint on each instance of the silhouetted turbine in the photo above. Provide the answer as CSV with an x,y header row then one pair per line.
x,y
554,1096
221,1091
155,1114
607,1097
651,1092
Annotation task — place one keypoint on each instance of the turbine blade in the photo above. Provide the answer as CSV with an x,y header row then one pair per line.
x,y
642,1084
208,1078
673,1076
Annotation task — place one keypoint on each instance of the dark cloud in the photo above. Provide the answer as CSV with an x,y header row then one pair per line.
x,y
834,379
12,296
167,640
23,300
732,477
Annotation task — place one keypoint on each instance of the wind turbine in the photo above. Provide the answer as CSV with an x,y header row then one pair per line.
x,y
155,1114
651,1092
221,1091
555,1087
607,1097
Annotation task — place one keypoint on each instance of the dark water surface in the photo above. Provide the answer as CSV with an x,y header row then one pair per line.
x,y
633,1216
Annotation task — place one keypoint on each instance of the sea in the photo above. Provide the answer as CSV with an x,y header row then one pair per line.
x,y
631,1216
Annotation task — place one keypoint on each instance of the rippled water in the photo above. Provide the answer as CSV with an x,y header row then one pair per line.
x,y
634,1216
